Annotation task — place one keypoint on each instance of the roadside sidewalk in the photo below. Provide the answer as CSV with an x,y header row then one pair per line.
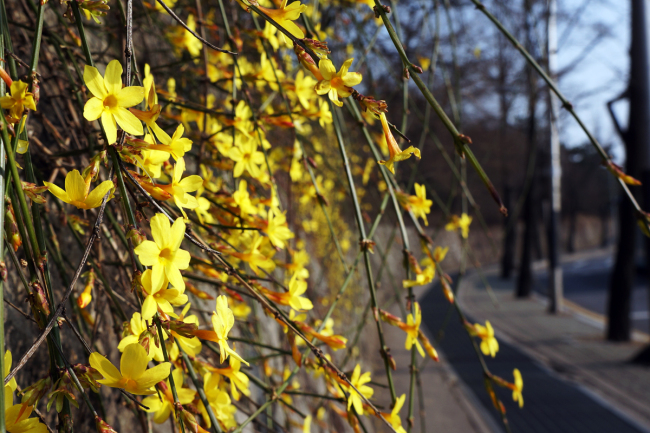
x,y
570,345
449,405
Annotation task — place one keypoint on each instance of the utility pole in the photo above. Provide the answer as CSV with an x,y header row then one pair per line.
x,y
555,287
641,136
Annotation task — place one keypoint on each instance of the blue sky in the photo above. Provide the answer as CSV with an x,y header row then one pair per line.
x,y
601,76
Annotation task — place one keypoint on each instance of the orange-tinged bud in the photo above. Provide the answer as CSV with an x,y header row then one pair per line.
x,y
390,318
39,299
446,289
319,48
307,61
11,226
102,426
196,292
428,347
617,171
5,77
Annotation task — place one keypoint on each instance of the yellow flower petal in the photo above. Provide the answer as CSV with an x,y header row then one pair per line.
x,y
75,186
105,367
134,361
96,196
93,109
148,252
113,77
108,122
127,121
58,192
149,307
130,96
327,69
94,82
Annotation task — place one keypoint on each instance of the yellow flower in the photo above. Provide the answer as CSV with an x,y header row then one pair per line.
x,y
335,85
394,152
179,188
137,325
219,402
461,223
359,381
393,417
164,254
518,387
413,329
178,144
238,380
162,404
159,298
419,203
182,38
306,425
304,89
277,229
285,16
17,420
110,101
151,161
489,344
12,385
296,300
133,375
242,199
439,254
77,191
222,322
19,99
246,157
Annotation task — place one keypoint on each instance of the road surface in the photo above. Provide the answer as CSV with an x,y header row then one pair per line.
x,y
586,283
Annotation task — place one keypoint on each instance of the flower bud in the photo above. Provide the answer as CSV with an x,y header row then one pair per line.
x,y
39,299
33,393
319,48
11,226
102,426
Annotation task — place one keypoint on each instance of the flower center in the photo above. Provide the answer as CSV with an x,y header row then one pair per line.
x,y
167,254
247,156
336,82
110,102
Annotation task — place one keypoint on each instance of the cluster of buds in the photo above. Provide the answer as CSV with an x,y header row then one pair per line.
x,y
87,376
35,392
92,171
147,336
135,236
63,390
319,48
370,103
179,327
189,421
34,192
11,225
38,299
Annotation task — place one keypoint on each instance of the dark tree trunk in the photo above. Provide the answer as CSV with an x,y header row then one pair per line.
x,y
636,137
622,280
525,280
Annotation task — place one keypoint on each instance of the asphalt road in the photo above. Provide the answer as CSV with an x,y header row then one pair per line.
x,y
586,282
